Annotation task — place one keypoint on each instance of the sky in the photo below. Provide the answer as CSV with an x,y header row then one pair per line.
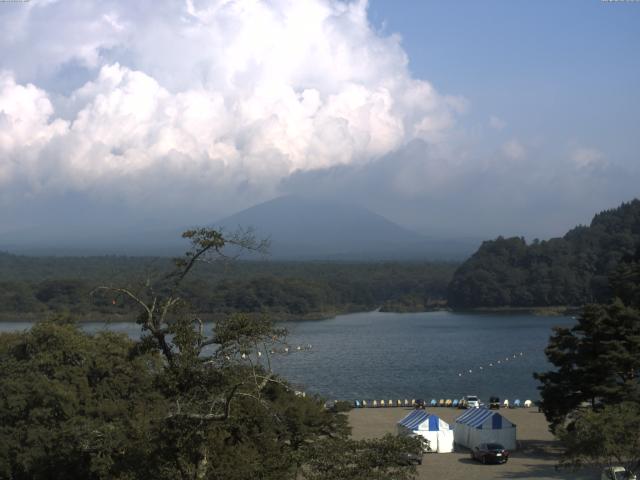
x,y
457,118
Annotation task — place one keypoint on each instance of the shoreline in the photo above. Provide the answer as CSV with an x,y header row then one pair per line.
x,y
21,317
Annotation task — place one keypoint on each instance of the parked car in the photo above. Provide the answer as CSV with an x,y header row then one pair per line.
x,y
494,403
411,458
617,473
471,401
490,453
425,445
420,403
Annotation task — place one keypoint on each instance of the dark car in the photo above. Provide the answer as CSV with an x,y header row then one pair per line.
x,y
411,458
490,453
494,403
420,403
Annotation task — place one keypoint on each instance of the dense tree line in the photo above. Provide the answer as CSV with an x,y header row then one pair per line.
x,y
572,270
284,289
592,397
177,404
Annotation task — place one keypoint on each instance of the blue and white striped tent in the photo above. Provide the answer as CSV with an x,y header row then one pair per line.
x,y
430,427
480,425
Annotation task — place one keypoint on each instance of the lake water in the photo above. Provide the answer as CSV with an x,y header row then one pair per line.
x,y
417,355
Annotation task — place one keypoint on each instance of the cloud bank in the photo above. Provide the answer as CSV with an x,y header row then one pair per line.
x,y
195,109
219,97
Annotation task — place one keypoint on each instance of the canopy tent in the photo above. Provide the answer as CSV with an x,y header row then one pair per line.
x,y
480,425
430,427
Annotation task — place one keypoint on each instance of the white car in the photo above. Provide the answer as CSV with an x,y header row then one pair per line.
x,y
617,473
471,401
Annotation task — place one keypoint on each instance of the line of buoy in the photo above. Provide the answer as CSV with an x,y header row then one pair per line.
x,y
285,350
491,364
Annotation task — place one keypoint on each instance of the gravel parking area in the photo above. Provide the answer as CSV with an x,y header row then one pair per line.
x,y
536,457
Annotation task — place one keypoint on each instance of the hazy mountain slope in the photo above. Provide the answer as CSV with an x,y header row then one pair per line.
x,y
300,228
308,228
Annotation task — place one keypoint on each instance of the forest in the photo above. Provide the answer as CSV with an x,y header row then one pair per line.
x,y
36,286
571,270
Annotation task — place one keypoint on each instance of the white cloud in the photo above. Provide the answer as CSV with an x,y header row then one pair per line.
x,y
218,94
514,150
497,123
586,157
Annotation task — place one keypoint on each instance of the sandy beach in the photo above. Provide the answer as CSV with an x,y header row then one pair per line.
x,y
536,457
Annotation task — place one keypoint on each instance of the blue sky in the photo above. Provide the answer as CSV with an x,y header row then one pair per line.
x,y
563,70
473,118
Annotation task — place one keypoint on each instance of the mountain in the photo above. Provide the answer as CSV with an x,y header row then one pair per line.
x,y
300,229
572,270
306,228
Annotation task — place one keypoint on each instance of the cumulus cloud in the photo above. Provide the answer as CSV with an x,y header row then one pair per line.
x,y
497,123
514,150
587,157
230,95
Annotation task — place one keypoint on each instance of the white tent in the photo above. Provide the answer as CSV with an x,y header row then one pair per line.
x,y
480,425
430,427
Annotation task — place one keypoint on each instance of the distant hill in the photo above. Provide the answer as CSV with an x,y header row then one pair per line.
x,y
572,270
300,229
303,228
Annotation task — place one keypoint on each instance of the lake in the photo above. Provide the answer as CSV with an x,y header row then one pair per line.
x,y
409,355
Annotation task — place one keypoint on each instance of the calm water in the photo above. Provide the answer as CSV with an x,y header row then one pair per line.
x,y
389,355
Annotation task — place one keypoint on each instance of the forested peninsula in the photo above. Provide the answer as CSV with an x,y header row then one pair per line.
x,y
572,270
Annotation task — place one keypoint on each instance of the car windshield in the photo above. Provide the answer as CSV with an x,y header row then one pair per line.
x,y
621,475
472,399
494,446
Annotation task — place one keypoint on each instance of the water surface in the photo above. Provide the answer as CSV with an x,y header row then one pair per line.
x,y
418,355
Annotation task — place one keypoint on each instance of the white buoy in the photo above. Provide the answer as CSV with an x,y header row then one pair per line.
x,y
481,368
459,374
491,364
470,371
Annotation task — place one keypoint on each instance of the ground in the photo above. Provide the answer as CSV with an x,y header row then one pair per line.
x,y
536,457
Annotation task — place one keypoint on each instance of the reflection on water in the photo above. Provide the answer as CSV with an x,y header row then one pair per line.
x,y
391,356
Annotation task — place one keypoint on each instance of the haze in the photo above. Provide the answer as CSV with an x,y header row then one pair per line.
x,y
451,119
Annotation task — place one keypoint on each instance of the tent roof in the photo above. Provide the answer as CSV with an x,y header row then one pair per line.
x,y
484,418
419,417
